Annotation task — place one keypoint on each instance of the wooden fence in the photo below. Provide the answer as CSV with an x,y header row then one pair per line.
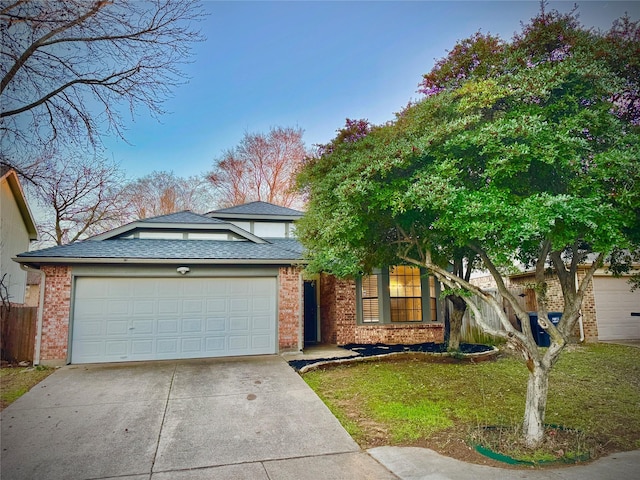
x,y
471,331
18,333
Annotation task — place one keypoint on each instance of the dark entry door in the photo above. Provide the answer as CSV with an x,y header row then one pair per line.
x,y
310,313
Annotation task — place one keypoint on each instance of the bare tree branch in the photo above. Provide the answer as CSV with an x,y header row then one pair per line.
x,y
68,66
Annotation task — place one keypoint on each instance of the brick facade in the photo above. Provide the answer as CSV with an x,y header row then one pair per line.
x,y
55,314
337,310
57,308
339,325
289,308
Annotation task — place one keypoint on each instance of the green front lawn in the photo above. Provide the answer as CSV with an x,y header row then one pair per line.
x,y
416,401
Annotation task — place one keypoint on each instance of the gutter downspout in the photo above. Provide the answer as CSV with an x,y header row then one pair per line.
x,y
37,347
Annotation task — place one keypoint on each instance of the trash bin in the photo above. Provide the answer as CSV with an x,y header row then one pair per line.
x,y
539,334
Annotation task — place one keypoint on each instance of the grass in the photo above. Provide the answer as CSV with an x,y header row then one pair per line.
x,y
594,389
16,381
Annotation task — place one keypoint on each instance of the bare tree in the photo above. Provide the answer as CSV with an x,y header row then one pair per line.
x,y
160,193
79,199
262,167
67,65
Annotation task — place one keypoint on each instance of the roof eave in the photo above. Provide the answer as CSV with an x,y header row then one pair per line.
x,y
36,262
254,217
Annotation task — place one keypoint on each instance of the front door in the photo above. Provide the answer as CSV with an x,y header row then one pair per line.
x,y
310,313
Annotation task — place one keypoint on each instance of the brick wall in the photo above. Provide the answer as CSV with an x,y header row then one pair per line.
x,y
55,314
338,320
337,310
394,334
289,308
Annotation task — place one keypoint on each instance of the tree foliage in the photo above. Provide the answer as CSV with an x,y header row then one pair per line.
x,y
261,168
161,193
69,66
531,159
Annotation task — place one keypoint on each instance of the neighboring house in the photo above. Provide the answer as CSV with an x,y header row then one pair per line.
x,y
610,310
226,283
17,230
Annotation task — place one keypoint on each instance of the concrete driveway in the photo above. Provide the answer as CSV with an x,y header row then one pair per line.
x,y
241,418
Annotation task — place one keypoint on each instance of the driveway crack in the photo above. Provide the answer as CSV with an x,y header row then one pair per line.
x,y
164,416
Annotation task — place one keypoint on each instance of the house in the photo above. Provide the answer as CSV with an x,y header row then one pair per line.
x,y
226,283
17,230
610,310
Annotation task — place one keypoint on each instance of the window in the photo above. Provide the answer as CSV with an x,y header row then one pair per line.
x,y
397,295
370,303
405,293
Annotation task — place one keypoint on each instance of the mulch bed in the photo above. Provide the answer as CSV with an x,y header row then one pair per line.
x,y
377,349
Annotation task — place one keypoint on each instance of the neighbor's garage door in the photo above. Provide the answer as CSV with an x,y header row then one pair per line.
x,y
126,319
615,306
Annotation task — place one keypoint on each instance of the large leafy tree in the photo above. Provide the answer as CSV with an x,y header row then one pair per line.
x,y
532,159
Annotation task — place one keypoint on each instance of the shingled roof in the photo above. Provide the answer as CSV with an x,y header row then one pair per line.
x,y
276,251
254,209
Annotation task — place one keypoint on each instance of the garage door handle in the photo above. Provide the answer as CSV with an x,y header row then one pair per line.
x,y
635,314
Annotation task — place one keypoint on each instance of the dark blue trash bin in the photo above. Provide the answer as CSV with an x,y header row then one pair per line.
x,y
539,334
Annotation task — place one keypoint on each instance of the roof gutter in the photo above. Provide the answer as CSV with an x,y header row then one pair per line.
x,y
35,262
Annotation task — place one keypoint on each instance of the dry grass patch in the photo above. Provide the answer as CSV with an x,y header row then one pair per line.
x,y
16,381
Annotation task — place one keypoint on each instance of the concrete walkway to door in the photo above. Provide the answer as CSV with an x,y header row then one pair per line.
x,y
241,418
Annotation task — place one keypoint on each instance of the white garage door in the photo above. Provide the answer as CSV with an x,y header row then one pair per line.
x,y
128,319
617,309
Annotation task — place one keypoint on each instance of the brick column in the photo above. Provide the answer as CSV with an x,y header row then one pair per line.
x,y
289,308
55,314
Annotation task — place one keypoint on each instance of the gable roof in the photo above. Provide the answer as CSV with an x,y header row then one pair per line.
x,y
11,177
136,251
257,211
120,246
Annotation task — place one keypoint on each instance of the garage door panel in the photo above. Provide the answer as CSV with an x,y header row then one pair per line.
x,y
238,324
615,302
116,348
214,345
122,319
117,327
193,306
216,324
168,326
192,325
142,327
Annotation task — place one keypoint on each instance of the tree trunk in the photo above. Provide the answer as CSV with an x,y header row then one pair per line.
x,y
536,403
455,322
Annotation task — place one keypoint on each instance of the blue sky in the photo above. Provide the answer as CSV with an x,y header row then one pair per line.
x,y
311,65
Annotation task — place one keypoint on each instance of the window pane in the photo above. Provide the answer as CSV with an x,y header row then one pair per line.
x,y
370,309
405,294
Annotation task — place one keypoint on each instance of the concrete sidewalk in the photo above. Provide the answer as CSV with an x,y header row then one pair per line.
x,y
242,418
412,463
